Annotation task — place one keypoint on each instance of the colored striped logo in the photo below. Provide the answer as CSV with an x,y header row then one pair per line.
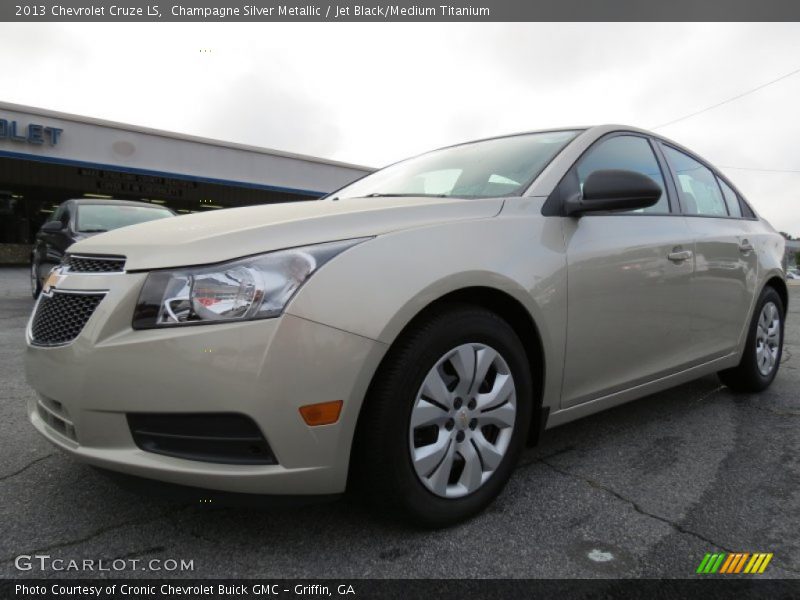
x,y
735,562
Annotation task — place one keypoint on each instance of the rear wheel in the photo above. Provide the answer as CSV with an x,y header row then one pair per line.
x,y
446,418
36,282
764,347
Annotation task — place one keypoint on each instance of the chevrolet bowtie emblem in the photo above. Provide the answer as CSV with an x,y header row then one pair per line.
x,y
52,281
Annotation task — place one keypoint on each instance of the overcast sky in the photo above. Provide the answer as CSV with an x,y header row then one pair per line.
x,y
378,92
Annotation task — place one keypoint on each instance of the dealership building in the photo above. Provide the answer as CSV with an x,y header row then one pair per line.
x,y
47,157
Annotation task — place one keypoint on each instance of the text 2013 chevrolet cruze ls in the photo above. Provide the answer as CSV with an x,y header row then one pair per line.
x,y
412,331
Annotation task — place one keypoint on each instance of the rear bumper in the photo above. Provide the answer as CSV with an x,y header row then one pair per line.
x,y
263,369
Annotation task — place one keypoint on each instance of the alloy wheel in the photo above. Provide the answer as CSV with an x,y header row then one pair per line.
x,y
768,338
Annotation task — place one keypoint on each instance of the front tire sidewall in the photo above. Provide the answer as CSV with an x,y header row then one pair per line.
x,y
759,380
36,285
480,327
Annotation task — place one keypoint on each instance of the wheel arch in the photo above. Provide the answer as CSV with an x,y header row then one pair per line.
x,y
509,308
774,281
779,285
522,322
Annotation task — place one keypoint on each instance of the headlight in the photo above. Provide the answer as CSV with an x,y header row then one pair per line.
x,y
257,287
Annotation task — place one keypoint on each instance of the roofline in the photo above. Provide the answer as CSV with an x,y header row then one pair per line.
x,y
552,174
633,129
515,134
718,171
52,114
114,202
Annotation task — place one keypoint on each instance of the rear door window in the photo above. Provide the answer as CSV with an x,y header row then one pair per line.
x,y
731,199
697,185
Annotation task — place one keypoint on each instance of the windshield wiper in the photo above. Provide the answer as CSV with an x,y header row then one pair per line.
x,y
92,230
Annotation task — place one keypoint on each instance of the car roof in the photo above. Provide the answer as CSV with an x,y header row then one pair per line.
x,y
510,135
114,202
597,130
553,173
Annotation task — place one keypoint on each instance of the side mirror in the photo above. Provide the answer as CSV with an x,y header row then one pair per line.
x,y
614,189
53,227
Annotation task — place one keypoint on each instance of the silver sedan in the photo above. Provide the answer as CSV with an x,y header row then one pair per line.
x,y
409,334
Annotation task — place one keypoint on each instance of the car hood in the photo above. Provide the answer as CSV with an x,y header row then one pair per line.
x,y
79,236
203,238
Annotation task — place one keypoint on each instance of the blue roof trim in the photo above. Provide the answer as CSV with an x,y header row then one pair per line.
x,y
135,171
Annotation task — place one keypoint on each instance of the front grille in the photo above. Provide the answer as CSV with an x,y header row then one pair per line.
x,y
94,264
60,317
209,437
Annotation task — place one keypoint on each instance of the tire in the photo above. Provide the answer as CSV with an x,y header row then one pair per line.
x,y
392,459
764,347
36,281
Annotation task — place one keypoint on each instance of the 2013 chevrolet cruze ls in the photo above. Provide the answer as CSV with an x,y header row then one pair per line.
x,y
410,333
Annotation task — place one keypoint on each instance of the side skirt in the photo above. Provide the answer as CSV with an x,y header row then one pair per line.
x,y
560,417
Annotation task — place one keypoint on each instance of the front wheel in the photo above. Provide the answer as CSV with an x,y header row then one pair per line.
x,y
446,417
36,282
764,347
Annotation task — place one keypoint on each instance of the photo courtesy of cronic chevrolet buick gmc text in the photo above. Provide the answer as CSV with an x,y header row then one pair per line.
x,y
409,334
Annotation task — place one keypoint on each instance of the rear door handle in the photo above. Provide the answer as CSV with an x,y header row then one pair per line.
x,y
678,256
745,247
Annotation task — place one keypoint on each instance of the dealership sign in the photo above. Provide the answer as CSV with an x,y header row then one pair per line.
x,y
32,133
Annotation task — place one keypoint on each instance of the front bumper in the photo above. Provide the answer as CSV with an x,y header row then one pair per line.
x,y
263,369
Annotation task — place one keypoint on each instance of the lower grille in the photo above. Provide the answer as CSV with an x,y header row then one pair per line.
x,y
209,437
55,415
60,317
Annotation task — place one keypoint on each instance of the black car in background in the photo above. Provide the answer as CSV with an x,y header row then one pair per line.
x,y
75,220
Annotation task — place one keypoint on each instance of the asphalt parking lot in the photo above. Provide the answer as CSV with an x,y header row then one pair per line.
x,y
644,490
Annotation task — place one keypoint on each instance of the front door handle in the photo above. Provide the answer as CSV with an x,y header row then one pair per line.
x,y
678,256
745,247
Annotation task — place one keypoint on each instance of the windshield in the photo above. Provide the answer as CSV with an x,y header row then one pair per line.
x,y
497,167
93,218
